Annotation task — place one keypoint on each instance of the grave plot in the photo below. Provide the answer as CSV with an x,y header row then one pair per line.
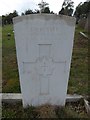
x,y
79,54
44,46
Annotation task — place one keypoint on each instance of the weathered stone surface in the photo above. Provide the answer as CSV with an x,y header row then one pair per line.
x,y
44,48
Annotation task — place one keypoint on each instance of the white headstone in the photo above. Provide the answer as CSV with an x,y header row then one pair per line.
x,y
44,44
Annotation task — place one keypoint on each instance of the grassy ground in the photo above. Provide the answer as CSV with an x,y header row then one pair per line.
x,y
0,58
9,67
78,82
71,110
0,36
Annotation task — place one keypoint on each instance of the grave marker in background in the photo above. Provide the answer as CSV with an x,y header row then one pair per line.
x,y
44,44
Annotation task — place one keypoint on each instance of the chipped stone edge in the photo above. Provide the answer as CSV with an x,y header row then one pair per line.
x,y
68,19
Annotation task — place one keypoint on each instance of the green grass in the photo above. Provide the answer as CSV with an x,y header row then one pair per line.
x,y
0,58
79,68
78,82
9,67
0,36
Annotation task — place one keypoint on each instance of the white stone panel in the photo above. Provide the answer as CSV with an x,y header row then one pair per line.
x,y
44,44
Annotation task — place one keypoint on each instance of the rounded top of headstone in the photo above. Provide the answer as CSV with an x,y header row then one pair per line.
x,y
69,20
